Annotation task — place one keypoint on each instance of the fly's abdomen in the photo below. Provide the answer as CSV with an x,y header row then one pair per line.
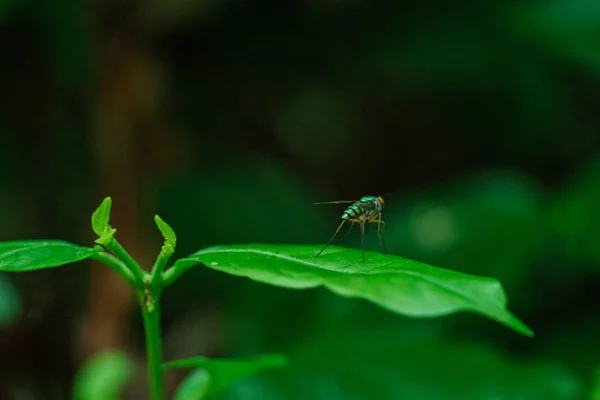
x,y
352,212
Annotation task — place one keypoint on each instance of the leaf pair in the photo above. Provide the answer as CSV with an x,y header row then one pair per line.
x,y
400,285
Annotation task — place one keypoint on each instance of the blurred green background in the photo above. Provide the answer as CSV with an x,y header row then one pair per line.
x,y
230,118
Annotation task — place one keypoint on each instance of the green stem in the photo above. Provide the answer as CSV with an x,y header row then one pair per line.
x,y
124,256
171,274
151,316
159,266
117,265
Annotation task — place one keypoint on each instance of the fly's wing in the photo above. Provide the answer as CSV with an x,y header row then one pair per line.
x,y
338,202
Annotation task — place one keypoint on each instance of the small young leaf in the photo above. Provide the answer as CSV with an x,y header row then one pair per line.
x,y
21,256
398,284
106,237
194,387
222,372
100,225
103,377
101,217
167,232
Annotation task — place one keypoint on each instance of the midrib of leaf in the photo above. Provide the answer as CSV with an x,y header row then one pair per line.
x,y
456,292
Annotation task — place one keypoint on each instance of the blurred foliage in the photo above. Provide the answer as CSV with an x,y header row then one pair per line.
x,y
371,364
10,303
194,387
479,117
575,215
212,376
103,377
491,224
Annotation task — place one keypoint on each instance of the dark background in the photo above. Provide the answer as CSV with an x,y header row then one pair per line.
x,y
230,118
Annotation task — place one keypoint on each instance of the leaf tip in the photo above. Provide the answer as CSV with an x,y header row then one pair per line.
x,y
101,217
520,327
167,232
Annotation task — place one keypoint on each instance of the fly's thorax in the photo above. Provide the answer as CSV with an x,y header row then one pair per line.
x,y
372,204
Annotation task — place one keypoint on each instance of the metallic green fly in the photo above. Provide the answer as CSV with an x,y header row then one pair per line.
x,y
363,211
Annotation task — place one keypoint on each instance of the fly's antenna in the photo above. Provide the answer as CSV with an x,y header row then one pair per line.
x,y
337,202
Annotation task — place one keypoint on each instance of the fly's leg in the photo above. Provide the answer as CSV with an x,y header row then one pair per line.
x,y
380,228
349,229
361,222
331,240
362,240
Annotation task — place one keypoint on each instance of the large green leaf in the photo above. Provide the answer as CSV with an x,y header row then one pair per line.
x,y
221,373
103,377
401,285
21,256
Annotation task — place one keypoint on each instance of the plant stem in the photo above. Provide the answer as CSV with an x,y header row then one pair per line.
x,y
151,316
129,261
178,269
117,265
159,266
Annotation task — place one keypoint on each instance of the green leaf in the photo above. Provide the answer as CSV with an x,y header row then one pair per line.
x,y
101,216
223,373
167,232
398,284
194,387
100,225
21,256
103,377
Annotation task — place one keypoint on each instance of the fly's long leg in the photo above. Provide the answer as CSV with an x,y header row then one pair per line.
x,y
380,228
362,240
349,229
331,240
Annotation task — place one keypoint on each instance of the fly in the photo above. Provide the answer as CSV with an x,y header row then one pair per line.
x,y
363,211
